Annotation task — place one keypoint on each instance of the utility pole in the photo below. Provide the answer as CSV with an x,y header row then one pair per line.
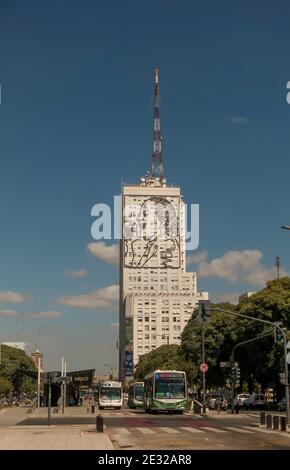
x,y
64,387
232,360
61,386
203,373
49,399
277,264
38,382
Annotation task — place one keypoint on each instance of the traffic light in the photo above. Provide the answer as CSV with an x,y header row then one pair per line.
x,y
236,375
278,335
204,310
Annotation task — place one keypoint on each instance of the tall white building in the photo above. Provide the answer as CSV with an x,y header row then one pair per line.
x,y
157,295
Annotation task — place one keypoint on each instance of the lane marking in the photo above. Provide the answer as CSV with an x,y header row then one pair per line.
x,y
189,429
213,429
146,431
169,430
240,430
122,431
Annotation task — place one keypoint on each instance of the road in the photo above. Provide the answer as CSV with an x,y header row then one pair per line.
x,y
137,430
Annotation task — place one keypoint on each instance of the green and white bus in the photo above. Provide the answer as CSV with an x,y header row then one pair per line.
x,y
136,395
165,390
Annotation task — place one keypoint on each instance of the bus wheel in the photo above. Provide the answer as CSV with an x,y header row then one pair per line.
x,y
101,407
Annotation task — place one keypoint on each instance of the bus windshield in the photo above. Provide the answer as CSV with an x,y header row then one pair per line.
x,y
170,388
139,392
111,393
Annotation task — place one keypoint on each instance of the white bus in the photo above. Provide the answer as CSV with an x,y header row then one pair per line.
x,y
110,395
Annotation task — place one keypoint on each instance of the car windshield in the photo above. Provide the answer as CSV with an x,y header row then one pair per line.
x,y
245,395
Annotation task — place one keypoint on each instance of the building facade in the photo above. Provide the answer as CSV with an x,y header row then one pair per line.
x,y
157,295
37,358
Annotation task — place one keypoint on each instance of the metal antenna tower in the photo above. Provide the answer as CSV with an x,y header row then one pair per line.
x,y
277,264
157,158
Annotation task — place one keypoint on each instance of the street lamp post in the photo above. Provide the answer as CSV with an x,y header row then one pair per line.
x,y
267,322
232,360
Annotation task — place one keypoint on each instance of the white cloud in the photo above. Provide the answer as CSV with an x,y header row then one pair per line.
x,y
198,258
44,315
12,297
233,265
238,120
76,273
239,266
104,298
107,253
8,313
114,325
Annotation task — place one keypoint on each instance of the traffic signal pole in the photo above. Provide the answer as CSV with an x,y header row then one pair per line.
x,y
203,374
267,322
232,362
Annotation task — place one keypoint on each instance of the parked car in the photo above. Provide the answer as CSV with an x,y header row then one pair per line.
x,y
241,398
282,404
256,399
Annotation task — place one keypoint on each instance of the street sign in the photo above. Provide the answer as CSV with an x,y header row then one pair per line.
x,y
60,380
51,375
225,364
288,357
283,381
203,367
282,375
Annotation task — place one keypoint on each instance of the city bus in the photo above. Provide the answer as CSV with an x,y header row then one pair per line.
x,y
165,390
136,395
110,395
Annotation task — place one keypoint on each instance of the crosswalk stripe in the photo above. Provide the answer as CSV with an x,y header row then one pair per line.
x,y
169,430
242,431
146,431
213,429
122,431
265,430
189,429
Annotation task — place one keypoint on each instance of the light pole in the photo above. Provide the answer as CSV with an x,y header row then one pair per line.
x,y
232,360
203,373
267,322
38,382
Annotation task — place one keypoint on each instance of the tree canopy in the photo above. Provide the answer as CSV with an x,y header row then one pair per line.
x,y
14,363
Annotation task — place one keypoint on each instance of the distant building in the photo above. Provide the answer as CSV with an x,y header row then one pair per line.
x,y
38,356
245,296
17,345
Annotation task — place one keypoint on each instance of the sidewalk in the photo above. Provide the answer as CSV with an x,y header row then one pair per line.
x,y
54,438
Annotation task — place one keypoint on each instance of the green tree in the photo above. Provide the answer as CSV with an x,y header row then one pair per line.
x,y
5,386
166,357
14,364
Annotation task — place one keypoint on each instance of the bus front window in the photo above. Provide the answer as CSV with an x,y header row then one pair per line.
x,y
169,389
111,393
139,393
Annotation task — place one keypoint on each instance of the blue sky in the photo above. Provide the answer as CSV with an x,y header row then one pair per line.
x,y
76,117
